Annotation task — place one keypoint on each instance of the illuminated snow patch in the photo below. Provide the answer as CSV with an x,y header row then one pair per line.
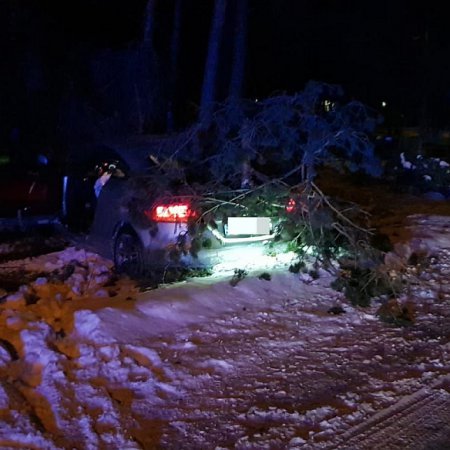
x,y
252,258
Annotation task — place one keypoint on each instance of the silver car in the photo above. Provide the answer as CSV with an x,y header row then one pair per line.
x,y
142,224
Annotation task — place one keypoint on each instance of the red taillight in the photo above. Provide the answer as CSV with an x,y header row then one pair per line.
x,y
174,212
290,205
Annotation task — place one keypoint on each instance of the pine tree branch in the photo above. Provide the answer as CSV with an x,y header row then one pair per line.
x,y
339,213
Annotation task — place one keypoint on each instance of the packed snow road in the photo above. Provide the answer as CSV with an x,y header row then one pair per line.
x,y
89,362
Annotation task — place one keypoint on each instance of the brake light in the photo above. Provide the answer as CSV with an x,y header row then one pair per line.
x,y
174,212
290,205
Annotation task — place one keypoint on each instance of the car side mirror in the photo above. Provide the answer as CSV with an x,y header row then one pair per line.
x,y
113,168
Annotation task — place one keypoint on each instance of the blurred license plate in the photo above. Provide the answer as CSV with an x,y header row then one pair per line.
x,y
248,225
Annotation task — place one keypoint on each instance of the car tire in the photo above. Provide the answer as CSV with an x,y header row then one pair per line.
x,y
128,254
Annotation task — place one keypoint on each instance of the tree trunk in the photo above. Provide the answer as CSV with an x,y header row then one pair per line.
x,y
149,24
139,111
239,50
212,61
237,74
174,52
150,102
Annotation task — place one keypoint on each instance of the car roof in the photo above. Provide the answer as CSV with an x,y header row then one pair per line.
x,y
135,151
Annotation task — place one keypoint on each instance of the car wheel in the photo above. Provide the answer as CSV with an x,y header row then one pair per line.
x,y
128,254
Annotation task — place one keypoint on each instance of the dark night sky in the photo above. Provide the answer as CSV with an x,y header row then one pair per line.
x,y
390,50
376,50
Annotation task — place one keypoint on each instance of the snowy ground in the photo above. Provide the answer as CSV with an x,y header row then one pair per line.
x,y
89,362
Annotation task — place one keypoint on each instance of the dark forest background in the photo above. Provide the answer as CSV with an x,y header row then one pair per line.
x,y
75,72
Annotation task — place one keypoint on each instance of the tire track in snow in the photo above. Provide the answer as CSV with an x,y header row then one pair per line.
x,y
419,421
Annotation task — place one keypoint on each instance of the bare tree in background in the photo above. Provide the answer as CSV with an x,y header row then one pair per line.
x,y
174,54
237,74
149,24
148,50
212,60
239,50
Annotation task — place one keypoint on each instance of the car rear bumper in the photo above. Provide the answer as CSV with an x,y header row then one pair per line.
x,y
213,248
